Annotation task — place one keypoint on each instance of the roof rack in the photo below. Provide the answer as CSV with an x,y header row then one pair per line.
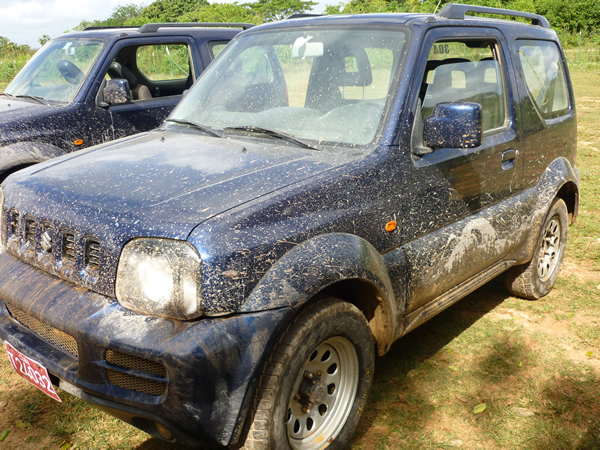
x,y
153,27
133,27
458,11
302,15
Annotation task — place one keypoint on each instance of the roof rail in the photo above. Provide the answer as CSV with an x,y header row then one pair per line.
x,y
133,27
153,27
302,15
458,11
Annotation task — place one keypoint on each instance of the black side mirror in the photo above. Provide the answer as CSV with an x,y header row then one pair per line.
x,y
117,91
454,125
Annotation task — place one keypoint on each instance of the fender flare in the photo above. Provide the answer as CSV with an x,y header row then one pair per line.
x,y
23,154
558,175
321,262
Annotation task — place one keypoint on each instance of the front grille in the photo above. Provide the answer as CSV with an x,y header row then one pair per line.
x,y
92,254
68,247
148,384
13,226
50,334
60,250
30,230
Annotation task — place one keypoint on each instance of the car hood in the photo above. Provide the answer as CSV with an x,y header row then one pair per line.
x,y
9,106
160,184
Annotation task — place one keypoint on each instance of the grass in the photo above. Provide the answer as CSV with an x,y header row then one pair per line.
x,y
535,365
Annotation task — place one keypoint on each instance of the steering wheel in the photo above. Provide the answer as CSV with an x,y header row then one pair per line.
x,y
69,71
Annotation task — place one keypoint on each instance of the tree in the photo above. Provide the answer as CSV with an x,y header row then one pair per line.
x,y
271,10
224,12
45,38
171,10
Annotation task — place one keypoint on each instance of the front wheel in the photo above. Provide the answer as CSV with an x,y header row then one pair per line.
x,y
314,386
536,278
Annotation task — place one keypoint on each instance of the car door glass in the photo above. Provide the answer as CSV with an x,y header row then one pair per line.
x,y
465,71
164,62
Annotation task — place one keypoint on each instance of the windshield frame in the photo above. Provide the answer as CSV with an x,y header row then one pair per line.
x,y
20,86
240,43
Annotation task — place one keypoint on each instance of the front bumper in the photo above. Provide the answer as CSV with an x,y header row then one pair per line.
x,y
209,366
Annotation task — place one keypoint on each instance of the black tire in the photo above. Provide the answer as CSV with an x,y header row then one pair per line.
x,y
536,278
328,336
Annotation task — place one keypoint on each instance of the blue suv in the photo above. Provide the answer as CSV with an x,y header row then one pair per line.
x,y
328,185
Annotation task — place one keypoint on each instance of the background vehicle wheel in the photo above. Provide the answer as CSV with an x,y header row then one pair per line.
x,y
314,386
536,278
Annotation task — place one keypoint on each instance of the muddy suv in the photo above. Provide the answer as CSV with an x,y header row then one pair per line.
x,y
99,84
328,185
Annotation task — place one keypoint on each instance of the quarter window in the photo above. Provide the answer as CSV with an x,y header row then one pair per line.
x,y
545,78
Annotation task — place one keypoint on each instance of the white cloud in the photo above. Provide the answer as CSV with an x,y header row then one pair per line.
x,y
25,21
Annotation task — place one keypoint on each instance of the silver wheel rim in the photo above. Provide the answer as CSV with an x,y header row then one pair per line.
x,y
549,250
332,372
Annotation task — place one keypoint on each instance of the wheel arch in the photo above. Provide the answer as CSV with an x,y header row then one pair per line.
x,y
23,154
336,264
560,180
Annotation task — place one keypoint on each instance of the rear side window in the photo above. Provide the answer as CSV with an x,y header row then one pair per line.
x,y
466,71
545,77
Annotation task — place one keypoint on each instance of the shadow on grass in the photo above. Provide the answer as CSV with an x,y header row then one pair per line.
x,y
416,349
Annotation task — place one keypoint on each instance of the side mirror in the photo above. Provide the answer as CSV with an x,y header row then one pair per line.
x,y
454,125
117,92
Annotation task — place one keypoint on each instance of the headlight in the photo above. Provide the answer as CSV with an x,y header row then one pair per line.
x,y
160,277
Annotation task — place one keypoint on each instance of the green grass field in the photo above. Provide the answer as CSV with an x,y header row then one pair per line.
x,y
533,366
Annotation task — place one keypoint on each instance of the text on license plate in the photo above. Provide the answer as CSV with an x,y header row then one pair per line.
x,y
31,370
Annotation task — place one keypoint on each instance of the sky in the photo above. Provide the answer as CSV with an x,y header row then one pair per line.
x,y
25,21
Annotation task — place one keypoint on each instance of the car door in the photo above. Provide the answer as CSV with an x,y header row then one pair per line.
x,y
158,72
456,224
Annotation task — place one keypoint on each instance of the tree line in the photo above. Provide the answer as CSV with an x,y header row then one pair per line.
x,y
575,21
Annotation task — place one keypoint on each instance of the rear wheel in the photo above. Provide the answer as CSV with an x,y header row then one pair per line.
x,y
314,387
536,278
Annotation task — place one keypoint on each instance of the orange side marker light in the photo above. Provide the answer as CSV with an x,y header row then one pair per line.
x,y
390,226
78,142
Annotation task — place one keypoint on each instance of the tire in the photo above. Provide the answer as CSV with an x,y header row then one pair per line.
x,y
536,278
314,387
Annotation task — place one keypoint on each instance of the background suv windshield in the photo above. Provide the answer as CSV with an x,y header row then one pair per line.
x,y
57,70
324,86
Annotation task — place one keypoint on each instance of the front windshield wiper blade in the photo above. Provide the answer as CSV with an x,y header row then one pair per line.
x,y
33,97
6,94
197,126
272,133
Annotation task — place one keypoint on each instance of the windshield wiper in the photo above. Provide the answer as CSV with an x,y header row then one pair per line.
x,y
32,97
197,126
272,133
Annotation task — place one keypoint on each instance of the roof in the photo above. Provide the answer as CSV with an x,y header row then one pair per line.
x,y
161,29
451,14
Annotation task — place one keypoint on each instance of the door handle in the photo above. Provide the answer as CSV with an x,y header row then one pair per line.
x,y
509,155
508,158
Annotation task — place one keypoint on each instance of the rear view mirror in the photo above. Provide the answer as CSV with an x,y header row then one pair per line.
x,y
454,125
117,92
304,49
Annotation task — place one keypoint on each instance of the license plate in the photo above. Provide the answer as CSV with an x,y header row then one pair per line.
x,y
31,370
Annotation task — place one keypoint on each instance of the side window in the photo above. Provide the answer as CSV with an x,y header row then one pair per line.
x,y
216,47
545,78
164,62
466,71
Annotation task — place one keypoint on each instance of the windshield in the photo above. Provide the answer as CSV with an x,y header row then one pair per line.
x,y
325,86
57,70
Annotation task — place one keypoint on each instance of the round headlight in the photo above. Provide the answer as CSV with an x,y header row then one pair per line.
x,y
160,277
